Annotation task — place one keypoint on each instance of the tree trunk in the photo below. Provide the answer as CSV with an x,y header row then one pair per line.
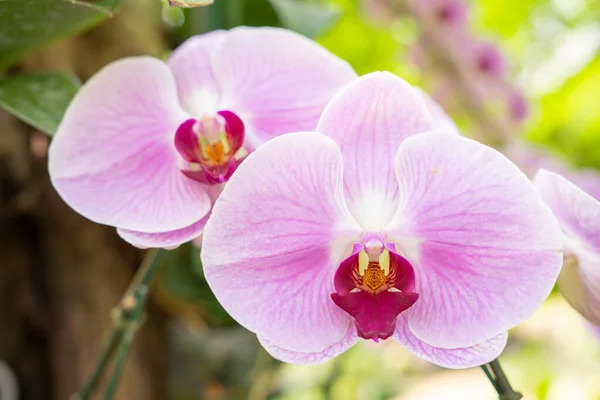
x,y
60,274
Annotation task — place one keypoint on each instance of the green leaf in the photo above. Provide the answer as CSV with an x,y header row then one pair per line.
x,y
307,18
31,24
39,99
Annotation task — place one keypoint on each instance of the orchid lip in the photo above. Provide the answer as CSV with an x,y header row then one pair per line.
x,y
209,145
374,285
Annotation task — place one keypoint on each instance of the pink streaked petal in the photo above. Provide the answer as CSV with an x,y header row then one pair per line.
x,y
165,240
457,358
579,216
577,211
276,80
113,158
579,283
192,67
275,238
485,248
369,119
295,357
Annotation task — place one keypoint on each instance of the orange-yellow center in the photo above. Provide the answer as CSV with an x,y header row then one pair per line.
x,y
215,153
374,277
372,273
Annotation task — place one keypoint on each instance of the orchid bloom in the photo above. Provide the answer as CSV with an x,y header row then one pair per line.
x,y
383,223
146,146
443,13
579,216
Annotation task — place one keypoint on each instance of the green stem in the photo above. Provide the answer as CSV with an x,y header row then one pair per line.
x,y
128,312
107,354
113,383
491,378
506,390
500,381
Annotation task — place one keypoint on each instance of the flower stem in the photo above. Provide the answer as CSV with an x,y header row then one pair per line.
x,y
128,315
500,381
113,383
109,350
491,378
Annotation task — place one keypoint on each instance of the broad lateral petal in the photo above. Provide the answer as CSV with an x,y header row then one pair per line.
x,y
327,354
113,159
276,80
458,358
485,248
272,244
369,119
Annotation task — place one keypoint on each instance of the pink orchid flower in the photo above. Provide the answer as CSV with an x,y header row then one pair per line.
x,y
442,13
146,146
579,216
383,223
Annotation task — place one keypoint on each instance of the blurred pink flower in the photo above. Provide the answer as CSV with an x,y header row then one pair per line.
x,y
579,216
443,13
484,68
487,59
517,105
386,223
475,69
146,146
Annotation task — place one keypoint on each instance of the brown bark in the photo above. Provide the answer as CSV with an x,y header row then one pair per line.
x,y
60,274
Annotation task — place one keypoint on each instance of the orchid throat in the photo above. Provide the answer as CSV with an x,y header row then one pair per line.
x,y
211,146
374,285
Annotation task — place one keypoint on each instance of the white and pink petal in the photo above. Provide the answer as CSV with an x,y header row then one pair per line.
x,y
167,240
369,119
192,65
113,159
327,354
485,248
275,238
276,80
457,358
579,216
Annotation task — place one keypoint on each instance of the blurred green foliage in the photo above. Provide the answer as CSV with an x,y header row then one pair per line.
x,y
39,99
30,24
309,18
570,117
184,291
365,44
566,115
